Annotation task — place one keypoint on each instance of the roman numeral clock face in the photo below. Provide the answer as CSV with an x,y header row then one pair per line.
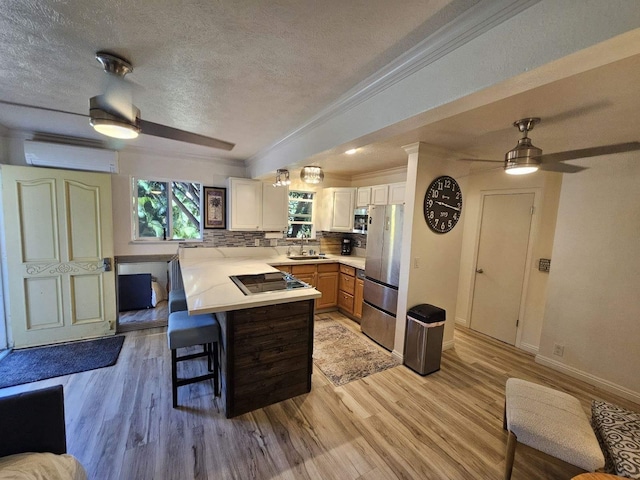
x,y
443,204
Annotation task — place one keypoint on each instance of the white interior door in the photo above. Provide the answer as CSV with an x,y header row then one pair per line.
x,y
500,268
58,230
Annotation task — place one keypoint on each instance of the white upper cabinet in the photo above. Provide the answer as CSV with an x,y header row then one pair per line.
x,y
255,206
396,193
379,194
337,209
364,197
275,208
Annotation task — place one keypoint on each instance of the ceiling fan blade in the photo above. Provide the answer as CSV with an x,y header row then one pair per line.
x,y
54,110
157,130
590,152
480,160
561,167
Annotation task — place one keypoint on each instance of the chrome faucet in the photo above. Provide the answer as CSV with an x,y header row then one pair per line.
x,y
302,239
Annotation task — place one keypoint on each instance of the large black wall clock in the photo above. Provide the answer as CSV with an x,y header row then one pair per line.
x,y
443,204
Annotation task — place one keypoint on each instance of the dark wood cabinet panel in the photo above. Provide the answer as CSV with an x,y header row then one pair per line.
x,y
266,355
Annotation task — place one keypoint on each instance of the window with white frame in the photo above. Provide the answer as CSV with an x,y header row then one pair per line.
x,y
166,210
300,215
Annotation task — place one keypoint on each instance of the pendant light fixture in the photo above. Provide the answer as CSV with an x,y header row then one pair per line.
x,y
311,174
282,178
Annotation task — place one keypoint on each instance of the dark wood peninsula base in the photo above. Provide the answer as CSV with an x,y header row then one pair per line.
x,y
266,355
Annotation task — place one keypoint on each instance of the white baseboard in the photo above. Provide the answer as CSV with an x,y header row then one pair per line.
x,y
448,345
461,321
397,356
527,347
590,379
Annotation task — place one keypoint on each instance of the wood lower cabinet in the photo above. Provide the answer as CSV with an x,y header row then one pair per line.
x,y
306,273
347,288
322,276
327,279
327,284
265,355
358,298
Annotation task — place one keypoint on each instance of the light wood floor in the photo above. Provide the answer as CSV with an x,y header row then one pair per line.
x,y
394,424
146,318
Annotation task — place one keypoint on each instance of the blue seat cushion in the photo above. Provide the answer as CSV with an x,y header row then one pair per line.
x,y
187,330
177,301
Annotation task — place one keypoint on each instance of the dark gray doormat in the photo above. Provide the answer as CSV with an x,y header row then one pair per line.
x,y
38,363
344,356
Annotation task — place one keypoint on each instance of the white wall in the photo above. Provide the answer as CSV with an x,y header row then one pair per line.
x,y
435,279
209,172
546,187
593,305
156,269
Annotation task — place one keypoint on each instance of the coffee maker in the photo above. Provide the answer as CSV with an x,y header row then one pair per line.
x,y
346,246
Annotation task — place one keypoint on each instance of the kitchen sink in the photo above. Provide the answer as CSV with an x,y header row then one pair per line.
x,y
303,257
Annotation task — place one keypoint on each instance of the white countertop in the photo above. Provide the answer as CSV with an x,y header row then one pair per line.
x,y
209,289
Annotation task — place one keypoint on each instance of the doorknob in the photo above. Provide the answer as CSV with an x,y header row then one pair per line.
x,y
479,270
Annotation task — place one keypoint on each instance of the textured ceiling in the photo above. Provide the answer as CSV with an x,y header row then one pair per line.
x,y
248,71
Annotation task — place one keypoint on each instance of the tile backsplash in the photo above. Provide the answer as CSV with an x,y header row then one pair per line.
x,y
225,238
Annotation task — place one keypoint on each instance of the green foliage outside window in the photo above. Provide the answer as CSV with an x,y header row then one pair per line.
x,y
153,200
300,214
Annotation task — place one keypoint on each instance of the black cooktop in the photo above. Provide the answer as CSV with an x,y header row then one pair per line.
x,y
267,282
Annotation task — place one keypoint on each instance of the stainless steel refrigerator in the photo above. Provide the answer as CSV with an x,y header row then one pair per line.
x,y
382,273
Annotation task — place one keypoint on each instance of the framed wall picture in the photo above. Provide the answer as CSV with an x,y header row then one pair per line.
x,y
215,207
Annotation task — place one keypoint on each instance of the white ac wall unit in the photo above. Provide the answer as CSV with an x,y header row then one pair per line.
x,y
44,154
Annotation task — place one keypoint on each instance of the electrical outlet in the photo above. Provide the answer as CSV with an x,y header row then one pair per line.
x,y
416,262
558,349
257,242
273,242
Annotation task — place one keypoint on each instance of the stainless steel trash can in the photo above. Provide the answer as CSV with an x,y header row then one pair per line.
x,y
423,338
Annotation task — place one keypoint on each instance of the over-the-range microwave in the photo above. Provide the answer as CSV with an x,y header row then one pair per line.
x,y
360,220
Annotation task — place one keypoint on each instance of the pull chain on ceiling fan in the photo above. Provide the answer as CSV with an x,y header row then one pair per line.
x,y
527,158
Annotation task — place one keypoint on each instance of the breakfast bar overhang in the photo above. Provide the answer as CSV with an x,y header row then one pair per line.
x,y
266,343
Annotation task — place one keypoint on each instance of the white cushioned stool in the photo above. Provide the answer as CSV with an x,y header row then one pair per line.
x,y
551,421
188,330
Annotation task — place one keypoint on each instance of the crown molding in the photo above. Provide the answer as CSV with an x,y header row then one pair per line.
x,y
178,154
377,173
474,22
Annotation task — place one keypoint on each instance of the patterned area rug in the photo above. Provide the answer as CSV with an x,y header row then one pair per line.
x,y
38,363
344,356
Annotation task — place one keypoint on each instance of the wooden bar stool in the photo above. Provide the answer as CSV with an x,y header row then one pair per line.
x,y
186,331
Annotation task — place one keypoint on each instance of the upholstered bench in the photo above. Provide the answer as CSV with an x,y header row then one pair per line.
x,y
618,431
550,421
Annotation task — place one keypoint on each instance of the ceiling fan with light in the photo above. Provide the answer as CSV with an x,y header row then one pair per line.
x,y
113,113
527,158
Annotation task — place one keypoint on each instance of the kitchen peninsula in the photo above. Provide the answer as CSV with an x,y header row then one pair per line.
x,y
266,343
